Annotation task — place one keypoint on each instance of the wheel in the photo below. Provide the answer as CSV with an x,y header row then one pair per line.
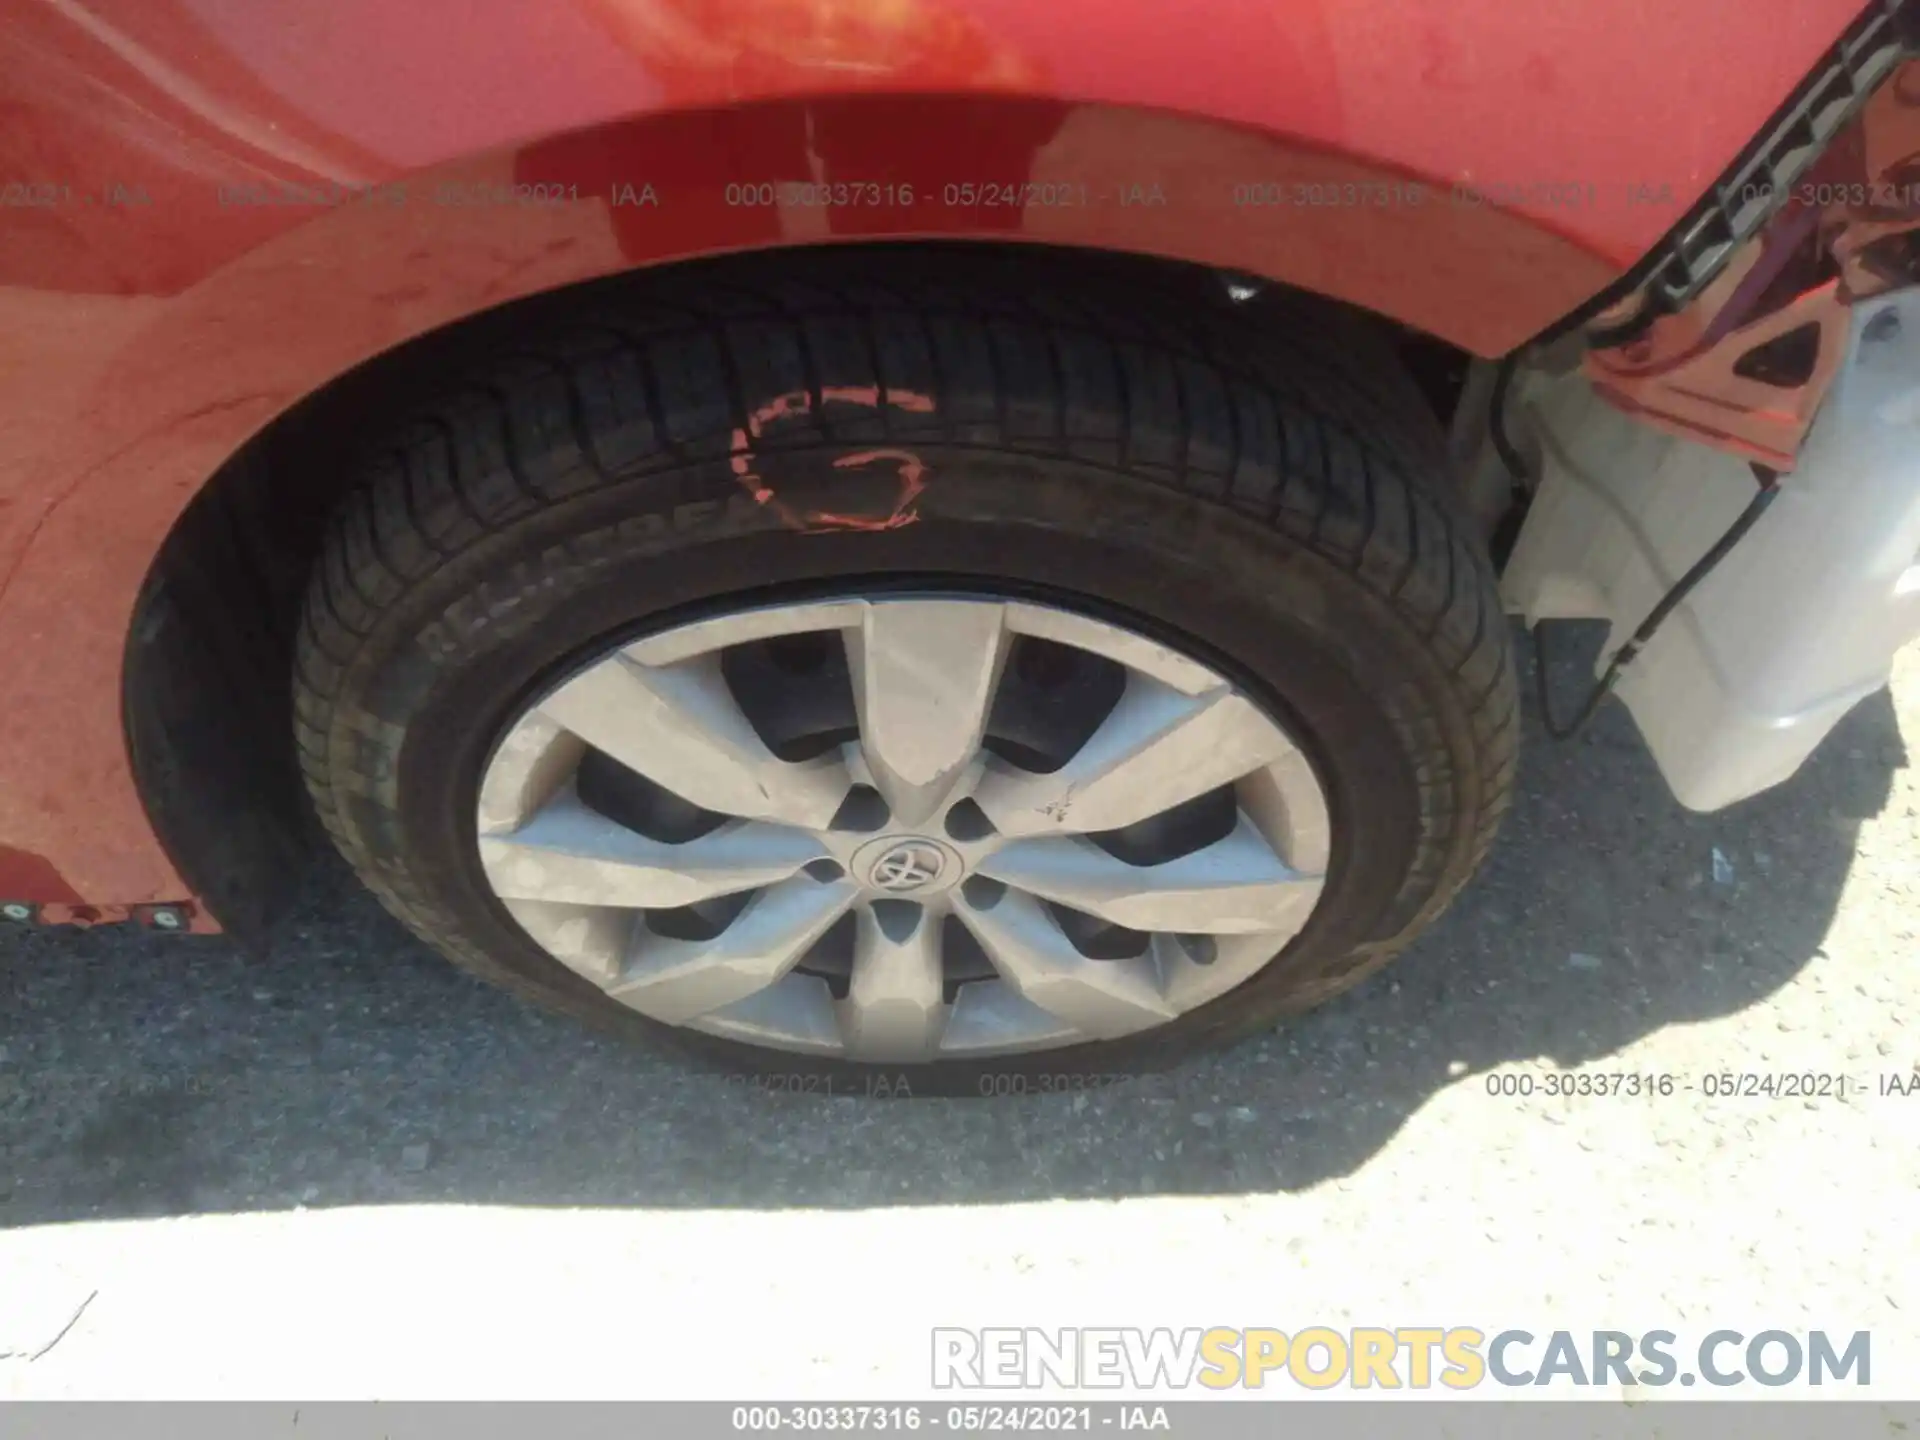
x,y
912,672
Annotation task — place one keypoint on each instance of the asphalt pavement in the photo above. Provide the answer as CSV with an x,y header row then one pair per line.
x,y
342,1168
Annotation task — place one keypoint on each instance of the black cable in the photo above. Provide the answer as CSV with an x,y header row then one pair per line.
x,y
1497,423
1756,507
1501,542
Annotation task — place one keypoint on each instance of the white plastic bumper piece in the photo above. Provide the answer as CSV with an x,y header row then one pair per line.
x,y
1798,623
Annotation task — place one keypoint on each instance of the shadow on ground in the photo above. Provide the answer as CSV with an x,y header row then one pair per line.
x,y
142,1075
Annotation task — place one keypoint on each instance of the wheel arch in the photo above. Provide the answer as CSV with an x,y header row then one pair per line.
x,y
205,686
305,313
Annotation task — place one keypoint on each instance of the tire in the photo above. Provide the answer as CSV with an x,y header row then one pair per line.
x,y
1228,479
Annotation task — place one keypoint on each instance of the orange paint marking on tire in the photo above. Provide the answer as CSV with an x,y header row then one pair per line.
x,y
912,474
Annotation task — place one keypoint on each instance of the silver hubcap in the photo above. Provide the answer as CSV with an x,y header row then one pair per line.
x,y
904,829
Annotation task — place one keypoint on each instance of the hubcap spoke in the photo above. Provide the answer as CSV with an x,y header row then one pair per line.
x,y
895,1008
570,854
1233,886
677,980
680,726
924,673
1156,749
592,939
537,758
1100,998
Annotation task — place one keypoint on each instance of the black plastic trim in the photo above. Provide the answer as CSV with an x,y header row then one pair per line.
x,y
1674,273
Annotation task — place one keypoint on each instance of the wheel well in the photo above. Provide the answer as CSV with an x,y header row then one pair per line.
x,y
207,680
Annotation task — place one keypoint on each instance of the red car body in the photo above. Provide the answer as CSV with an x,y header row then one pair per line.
x,y
217,207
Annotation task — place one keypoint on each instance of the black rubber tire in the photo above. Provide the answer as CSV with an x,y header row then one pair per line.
x,y
1243,480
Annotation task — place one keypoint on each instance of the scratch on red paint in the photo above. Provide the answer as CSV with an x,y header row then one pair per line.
x,y
912,469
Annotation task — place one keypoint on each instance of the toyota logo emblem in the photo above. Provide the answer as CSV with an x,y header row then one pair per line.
x,y
908,866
